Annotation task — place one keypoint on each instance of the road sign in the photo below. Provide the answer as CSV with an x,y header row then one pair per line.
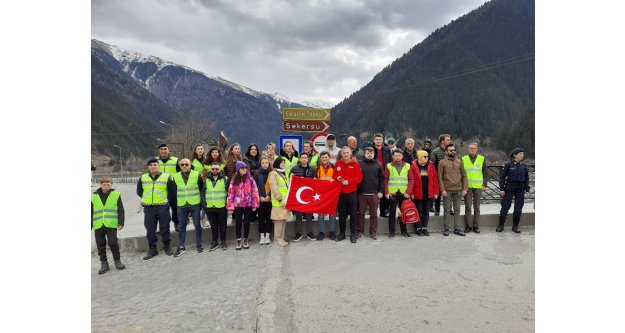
x,y
306,114
293,125
296,140
319,142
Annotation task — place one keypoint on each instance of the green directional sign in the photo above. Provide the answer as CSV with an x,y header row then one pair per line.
x,y
305,114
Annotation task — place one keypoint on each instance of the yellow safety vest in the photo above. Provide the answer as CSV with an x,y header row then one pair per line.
x,y
105,214
154,191
216,195
283,188
169,167
474,171
288,165
188,192
397,181
197,165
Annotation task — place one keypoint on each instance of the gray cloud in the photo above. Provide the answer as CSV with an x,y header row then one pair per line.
x,y
313,50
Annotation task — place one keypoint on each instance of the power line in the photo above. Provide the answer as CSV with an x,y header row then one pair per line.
x,y
501,63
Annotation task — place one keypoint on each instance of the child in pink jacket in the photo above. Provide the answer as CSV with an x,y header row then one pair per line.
x,y
243,200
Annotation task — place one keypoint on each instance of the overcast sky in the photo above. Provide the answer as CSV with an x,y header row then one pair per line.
x,y
306,50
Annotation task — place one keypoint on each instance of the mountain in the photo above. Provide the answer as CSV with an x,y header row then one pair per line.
x,y
133,92
473,78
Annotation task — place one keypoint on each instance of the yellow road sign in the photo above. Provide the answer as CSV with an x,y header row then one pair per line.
x,y
306,114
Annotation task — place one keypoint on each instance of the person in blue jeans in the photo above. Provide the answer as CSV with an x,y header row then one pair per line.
x,y
513,184
189,187
325,170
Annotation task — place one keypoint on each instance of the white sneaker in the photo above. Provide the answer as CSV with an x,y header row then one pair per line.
x,y
262,239
267,239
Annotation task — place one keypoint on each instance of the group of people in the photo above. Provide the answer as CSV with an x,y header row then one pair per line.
x,y
254,185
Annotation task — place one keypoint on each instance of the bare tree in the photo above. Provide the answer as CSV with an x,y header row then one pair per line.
x,y
191,129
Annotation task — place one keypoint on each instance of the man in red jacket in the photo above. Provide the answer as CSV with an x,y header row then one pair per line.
x,y
348,172
424,190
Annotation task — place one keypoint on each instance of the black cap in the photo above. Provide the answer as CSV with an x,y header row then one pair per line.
x,y
516,151
330,137
162,145
152,160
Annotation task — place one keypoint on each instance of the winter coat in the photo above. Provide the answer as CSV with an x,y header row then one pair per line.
x,y
372,177
298,170
451,175
417,188
244,194
351,172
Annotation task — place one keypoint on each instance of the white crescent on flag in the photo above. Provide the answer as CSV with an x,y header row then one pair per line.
x,y
298,194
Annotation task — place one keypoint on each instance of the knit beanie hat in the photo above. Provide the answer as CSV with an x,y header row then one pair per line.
x,y
239,165
421,153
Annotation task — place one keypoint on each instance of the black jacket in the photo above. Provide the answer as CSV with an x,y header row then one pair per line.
x,y
409,157
372,177
308,172
386,156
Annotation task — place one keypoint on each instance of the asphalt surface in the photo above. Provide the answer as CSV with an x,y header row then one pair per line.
x,y
478,283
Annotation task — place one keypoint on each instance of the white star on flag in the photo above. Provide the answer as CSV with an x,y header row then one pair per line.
x,y
316,196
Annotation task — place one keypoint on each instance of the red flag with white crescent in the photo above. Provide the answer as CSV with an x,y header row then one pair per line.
x,y
310,195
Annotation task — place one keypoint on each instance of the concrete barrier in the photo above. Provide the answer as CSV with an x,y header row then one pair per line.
x,y
435,225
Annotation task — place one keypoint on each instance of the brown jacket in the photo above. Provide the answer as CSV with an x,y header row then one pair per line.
x,y
451,175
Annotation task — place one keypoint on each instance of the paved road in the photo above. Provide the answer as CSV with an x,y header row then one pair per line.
x,y
478,283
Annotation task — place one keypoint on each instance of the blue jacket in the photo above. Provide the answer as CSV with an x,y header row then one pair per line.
x,y
514,175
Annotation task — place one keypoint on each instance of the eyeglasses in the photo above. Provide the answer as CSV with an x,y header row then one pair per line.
x,y
215,169
184,164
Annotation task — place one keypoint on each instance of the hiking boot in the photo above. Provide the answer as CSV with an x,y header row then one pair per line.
x,y
420,232
332,235
239,244
168,250
214,246
425,232
320,236
310,236
179,251
340,237
246,244
153,252
104,267
297,237
515,228
119,265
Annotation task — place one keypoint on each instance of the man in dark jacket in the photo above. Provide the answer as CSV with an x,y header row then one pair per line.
x,y
382,155
436,156
513,182
352,143
370,190
410,153
215,189
302,169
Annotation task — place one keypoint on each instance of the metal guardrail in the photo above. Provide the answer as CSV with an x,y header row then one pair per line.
x,y
493,172
489,195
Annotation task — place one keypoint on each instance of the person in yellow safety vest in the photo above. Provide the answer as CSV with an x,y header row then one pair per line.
x,y
170,165
107,216
197,158
398,187
290,157
279,188
188,184
475,167
156,190
214,203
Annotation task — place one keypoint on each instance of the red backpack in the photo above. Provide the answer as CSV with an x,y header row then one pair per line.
x,y
409,212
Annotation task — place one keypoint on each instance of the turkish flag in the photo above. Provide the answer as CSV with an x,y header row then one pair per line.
x,y
310,195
